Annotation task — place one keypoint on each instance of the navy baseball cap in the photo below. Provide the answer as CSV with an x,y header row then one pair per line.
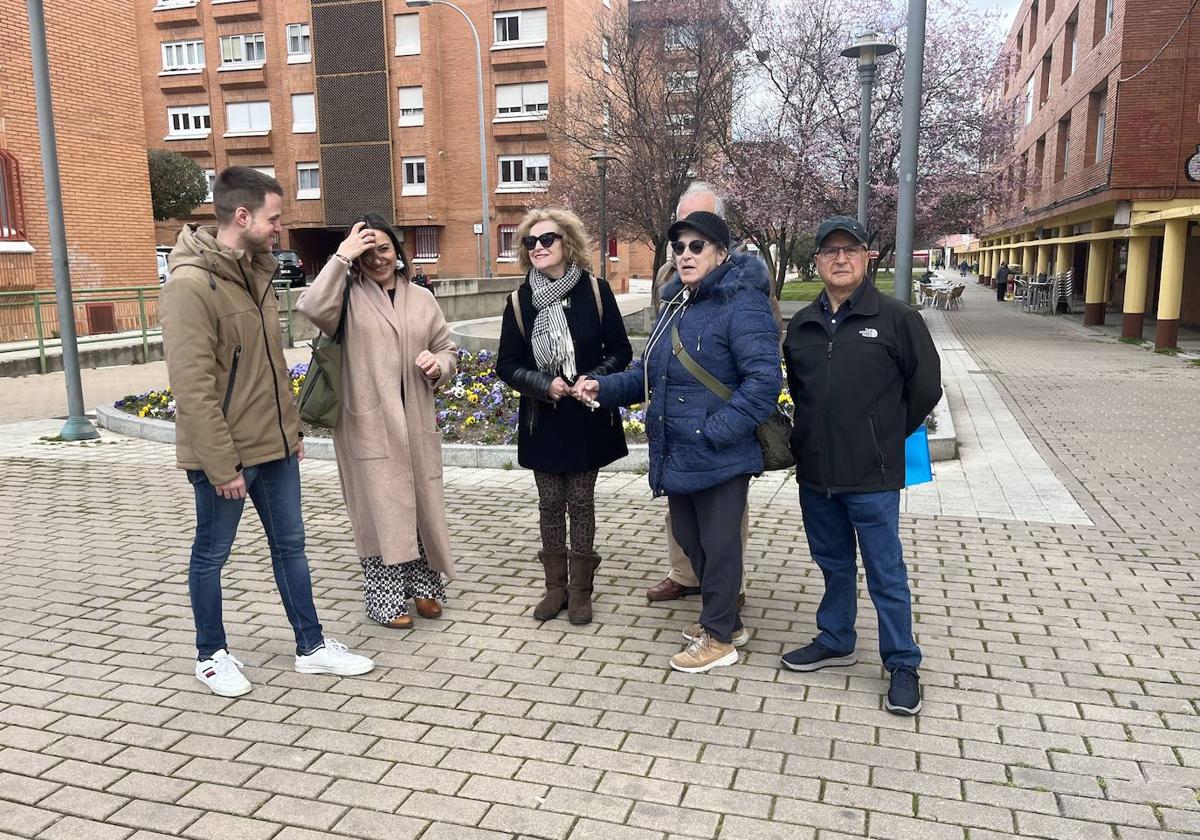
x,y
848,224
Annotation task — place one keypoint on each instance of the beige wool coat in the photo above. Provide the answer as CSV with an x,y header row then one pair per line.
x,y
389,450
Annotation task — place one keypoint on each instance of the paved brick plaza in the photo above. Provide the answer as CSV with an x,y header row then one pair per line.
x,y
1062,669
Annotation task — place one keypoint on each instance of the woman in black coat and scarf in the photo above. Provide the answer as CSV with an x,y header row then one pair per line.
x,y
565,324
1002,281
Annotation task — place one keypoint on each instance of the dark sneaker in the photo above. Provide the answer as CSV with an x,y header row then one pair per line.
x,y
815,656
904,695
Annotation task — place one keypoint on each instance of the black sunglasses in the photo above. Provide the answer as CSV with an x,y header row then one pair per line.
x,y
546,239
695,246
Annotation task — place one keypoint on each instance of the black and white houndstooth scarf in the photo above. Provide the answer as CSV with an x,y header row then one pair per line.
x,y
551,337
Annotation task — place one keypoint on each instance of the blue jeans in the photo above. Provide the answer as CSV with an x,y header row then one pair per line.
x,y
274,487
832,524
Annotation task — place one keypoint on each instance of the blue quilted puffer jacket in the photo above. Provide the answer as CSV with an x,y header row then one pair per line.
x,y
697,440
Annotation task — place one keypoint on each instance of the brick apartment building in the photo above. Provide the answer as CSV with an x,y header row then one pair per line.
x,y
1105,180
369,105
102,158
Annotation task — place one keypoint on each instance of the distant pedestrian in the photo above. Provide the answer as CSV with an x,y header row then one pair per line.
x,y
237,430
419,278
1002,281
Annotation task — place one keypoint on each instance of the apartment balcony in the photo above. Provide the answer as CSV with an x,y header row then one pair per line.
x,y
228,11
519,58
247,143
198,147
520,129
232,78
182,82
170,16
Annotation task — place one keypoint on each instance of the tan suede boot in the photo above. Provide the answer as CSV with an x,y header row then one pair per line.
x,y
555,599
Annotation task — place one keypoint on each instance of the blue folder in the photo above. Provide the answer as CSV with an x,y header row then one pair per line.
x,y
918,468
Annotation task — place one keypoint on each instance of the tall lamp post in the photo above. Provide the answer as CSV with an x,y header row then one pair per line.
x,y
910,135
77,426
601,160
868,47
483,171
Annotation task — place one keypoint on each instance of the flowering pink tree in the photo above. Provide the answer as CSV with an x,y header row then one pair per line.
x,y
793,158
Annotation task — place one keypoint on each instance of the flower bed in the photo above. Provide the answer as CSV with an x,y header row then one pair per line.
x,y
474,407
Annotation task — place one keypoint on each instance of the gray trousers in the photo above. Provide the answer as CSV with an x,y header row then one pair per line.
x,y
706,526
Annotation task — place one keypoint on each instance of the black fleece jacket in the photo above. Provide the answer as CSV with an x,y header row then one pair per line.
x,y
859,392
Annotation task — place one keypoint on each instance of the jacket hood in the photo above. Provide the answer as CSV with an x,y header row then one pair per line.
x,y
742,270
198,246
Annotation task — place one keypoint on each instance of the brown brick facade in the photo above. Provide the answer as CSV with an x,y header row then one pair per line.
x,y
1149,101
448,140
95,72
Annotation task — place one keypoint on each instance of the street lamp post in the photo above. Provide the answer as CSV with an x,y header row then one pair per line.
x,y
77,426
910,135
601,160
868,47
483,172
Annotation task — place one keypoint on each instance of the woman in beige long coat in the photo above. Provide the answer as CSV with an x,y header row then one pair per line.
x,y
396,351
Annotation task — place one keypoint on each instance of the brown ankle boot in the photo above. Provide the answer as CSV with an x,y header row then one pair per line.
x,y
555,599
579,591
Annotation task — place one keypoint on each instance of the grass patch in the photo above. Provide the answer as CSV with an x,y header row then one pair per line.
x,y
1194,363
1168,351
1129,339
801,291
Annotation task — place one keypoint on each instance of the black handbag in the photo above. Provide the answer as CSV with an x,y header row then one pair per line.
x,y
321,394
774,434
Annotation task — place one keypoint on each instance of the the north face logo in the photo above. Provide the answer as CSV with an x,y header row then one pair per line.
x,y
869,332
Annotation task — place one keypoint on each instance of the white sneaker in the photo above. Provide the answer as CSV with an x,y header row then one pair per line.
x,y
739,639
223,675
333,657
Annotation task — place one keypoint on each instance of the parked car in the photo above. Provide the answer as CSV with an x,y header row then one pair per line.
x,y
162,267
291,267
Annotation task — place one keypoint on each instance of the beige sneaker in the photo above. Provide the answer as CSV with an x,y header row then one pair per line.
x,y
740,638
703,654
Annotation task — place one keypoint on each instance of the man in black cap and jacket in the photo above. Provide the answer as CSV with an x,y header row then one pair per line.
x,y
864,374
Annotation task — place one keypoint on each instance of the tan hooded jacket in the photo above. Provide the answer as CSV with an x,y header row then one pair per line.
x,y
233,396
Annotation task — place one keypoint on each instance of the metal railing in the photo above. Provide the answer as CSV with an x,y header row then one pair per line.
x,y
147,324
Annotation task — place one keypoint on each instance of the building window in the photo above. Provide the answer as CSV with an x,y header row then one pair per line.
x,y
1039,160
1070,46
525,28
299,43
408,34
269,171
508,243
174,4
1029,101
425,244
605,44
183,56
681,123
1047,67
210,175
524,173
308,180
12,207
682,81
524,101
1062,163
414,176
304,113
247,118
188,123
1110,16
412,106
1098,109
1033,23
1020,44
679,36
243,50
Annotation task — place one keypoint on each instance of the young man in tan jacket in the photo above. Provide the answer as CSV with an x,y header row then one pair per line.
x,y
237,428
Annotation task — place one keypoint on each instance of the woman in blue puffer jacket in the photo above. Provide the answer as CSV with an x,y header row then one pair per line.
x,y
703,450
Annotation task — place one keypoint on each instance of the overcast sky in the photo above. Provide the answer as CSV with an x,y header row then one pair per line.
x,y
1009,7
